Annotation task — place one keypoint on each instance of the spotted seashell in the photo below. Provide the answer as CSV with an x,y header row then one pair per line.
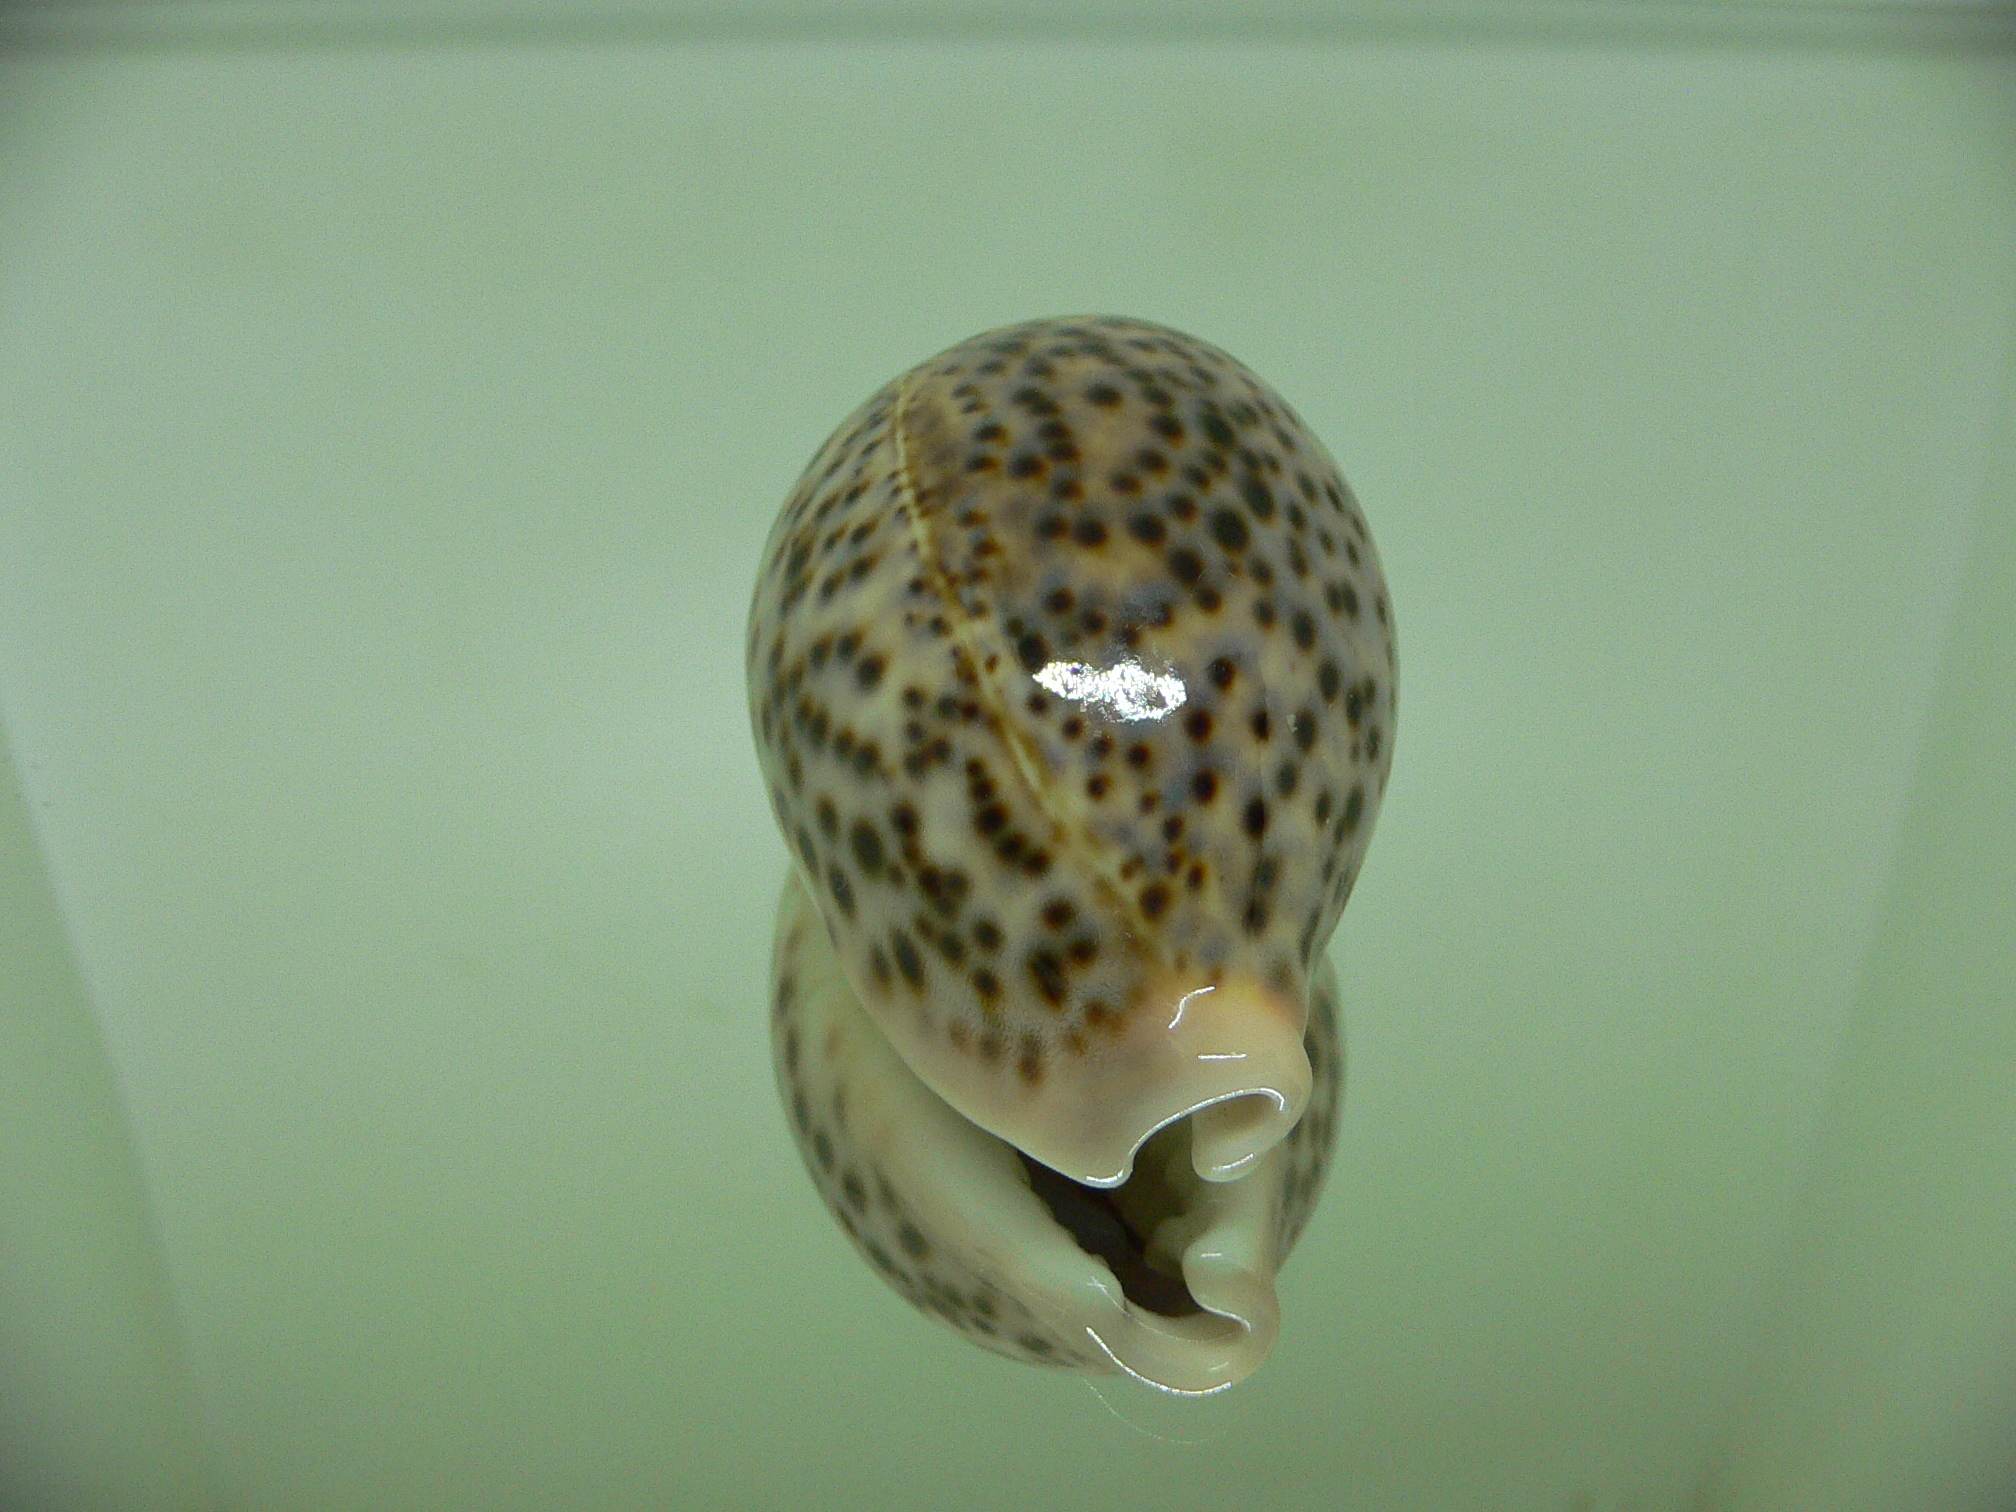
x,y
1072,674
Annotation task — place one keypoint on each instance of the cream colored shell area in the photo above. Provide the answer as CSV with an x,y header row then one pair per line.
x,y
945,1213
1090,1112
1004,575
872,561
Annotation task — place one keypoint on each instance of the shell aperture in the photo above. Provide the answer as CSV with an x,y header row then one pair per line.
x,y
1072,676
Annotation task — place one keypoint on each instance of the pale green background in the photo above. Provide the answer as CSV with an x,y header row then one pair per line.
x,y
392,406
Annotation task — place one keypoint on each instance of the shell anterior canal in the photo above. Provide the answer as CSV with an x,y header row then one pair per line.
x,y
1138,1227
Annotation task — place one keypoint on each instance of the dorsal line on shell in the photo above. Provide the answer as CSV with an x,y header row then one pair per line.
x,y
1087,856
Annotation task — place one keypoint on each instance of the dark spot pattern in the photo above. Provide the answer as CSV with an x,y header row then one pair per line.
x,y
1007,865
817,1053
1096,493
823,1070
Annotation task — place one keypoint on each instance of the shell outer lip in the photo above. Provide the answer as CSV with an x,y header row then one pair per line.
x,y
968,1189
1230,1056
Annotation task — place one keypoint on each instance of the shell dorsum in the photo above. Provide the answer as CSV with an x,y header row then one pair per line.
x,y
1072,675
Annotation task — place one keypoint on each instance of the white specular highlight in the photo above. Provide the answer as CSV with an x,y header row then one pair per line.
x,y
1126,692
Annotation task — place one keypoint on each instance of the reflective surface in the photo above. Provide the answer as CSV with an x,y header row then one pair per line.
x,y
386,442
1124,692
1076,930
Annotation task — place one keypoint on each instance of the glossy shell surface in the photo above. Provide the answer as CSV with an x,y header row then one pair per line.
x,y
1072,674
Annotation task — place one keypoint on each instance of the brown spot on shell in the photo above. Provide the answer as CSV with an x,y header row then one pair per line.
x,y
1003,858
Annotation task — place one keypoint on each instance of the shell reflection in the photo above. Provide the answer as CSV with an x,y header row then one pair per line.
x,y
1072,675
1169,1276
